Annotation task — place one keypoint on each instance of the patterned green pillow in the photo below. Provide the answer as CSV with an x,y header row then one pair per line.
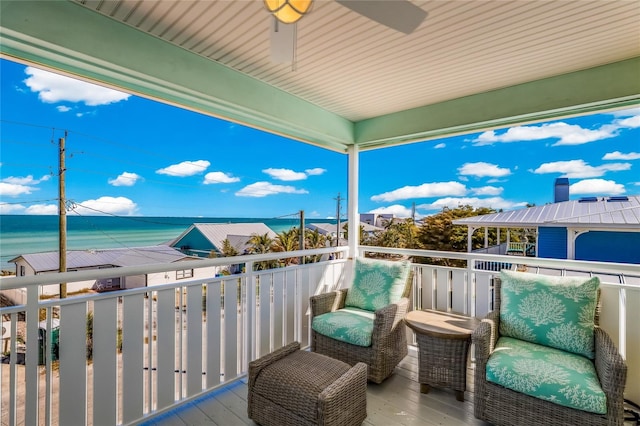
x,y
551,311
350,325
377,283
547,373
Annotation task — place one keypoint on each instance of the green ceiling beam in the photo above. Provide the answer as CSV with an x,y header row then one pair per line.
x,y
65,36
605,87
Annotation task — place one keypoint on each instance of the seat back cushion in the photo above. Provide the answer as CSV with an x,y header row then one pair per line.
x,y
547,373
551,311
349,325
377,283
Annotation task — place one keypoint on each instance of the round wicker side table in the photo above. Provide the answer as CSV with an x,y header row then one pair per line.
x,y
443,345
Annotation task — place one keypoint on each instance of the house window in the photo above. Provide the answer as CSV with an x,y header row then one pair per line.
x,y
187,273
23,271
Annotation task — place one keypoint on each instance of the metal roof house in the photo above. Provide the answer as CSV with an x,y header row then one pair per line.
x,y
591,228
201,239
48,262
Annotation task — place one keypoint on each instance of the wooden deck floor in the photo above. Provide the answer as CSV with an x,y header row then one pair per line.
x,y
397,401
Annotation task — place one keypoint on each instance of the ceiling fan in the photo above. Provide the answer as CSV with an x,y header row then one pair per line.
x,y
399,15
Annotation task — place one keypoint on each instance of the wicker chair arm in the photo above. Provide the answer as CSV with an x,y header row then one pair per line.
x,y
256,366
327,302
485,336
387,319
349,386
610,366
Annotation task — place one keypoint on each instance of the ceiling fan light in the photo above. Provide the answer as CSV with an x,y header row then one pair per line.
x,y
288,11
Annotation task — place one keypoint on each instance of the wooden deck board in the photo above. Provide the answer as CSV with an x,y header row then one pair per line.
x,y
395,402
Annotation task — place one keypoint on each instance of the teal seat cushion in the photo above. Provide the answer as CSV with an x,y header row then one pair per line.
x,y
547,373
552,311
350,325
377,283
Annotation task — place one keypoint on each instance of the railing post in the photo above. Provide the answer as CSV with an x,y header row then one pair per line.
x,y
470,289
251,312
31,410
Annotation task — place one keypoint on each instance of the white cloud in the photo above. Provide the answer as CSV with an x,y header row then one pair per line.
x,y
617,155
487,190
262,189
567,134
440,146
42,209
435,189
6,208
120,206
452,203
397,210
482,169
315,171
25,180
626,112
52,88
285,174
186,168
629,122
13,190
580,169
63,108
13,186
219,177
596,186
125,179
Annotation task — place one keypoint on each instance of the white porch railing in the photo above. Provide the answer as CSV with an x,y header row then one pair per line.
x,y
182,339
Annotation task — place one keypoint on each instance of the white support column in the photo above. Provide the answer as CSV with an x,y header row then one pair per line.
x,y
486,237
353,217
470,231
572,235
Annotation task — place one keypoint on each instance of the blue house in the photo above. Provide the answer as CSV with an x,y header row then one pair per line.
x,y
202,239
605,229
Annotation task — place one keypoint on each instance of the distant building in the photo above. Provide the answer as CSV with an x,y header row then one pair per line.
x,y
78,260
379,220
605,229
331,230
202,239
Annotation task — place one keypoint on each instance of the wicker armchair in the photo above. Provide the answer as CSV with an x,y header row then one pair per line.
x,y
388,341
502,406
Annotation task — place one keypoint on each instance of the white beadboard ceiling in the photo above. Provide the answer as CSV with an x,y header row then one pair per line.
x,y
462,48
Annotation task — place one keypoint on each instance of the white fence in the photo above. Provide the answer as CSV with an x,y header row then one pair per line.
x,y
157,347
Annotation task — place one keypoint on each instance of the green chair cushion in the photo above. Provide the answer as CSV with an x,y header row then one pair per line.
x,y
551,311
350,325
377,283
547,373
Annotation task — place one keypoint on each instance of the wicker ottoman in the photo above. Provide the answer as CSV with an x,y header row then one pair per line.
x,y
294,387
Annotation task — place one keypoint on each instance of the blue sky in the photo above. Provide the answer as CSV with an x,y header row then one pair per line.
x,y
131,156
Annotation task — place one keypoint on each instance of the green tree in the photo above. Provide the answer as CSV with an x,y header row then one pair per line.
x,y
261,244
313,240
438,233
287,241
400,233
227,249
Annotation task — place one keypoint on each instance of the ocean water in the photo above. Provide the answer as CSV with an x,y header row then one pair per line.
x,y
22,234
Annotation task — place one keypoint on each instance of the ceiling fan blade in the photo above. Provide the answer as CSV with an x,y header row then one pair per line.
x,y
400,15
283,42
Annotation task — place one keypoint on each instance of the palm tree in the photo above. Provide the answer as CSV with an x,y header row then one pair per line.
x,y
313,240
287,241
261,244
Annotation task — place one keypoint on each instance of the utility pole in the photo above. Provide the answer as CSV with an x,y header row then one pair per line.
x,y
338,217
62,214
413,211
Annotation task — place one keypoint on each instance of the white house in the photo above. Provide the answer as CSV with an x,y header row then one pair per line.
x,y
48,262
